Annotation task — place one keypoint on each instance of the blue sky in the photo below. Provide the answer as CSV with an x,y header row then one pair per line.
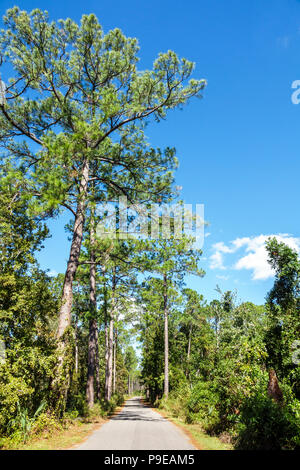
x,y
238,146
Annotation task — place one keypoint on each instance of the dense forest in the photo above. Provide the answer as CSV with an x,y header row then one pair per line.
x,y
122,319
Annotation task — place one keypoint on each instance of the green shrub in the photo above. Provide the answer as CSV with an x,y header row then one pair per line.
x,y
202,406
77,405
13,441
12,389
96,411
70,415
22,422
176,403
266,425
109,406
46,422
116,400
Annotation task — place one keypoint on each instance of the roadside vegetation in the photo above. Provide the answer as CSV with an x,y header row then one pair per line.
x,y
50,433
234,367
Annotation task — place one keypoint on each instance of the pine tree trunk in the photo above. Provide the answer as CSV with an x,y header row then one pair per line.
x,y
166,339
189,350
110,357
60,383
115,362
106,344
90,392
67,296
93,327
98,389
76,348
189,344
109,371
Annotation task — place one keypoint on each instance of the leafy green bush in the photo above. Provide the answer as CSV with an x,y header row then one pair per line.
x,y
266,425
46,423
202,406
77,404
96,411
12,389
13,441
70,415
176,403
109,406
116,400
23,422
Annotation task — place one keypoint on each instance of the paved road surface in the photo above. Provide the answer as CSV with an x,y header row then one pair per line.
x,y
137,427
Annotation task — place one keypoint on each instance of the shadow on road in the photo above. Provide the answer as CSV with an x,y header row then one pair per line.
x,y
127,414
134,417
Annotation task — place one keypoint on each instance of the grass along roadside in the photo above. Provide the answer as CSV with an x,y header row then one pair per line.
x,y
64,439
68,436
198,437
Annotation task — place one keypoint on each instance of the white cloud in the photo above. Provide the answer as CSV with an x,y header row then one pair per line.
x,y
222,248
216,261
255,256
257,262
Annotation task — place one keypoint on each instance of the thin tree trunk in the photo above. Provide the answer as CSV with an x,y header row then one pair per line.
x,y
106,341
90,392
76,348
60,383
166,339
76,358
109,372
110,358
93,327
98,389
106,359
115,362
189,343
189,349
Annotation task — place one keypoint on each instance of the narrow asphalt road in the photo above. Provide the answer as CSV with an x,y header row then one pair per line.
x,y
137,427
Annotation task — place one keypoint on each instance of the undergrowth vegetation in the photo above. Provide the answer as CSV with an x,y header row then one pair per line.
x,y
24,429
234,368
